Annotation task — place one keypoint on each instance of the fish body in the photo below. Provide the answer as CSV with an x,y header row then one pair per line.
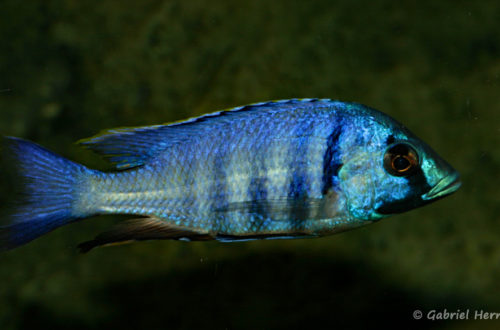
x,y
280,169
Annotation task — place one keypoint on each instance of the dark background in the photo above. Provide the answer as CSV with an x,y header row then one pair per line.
x,y
69,69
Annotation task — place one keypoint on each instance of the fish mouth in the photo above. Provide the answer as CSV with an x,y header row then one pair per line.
x,y
447,185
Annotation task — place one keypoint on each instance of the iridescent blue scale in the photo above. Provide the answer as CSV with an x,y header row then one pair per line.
x,y
247,173
280,169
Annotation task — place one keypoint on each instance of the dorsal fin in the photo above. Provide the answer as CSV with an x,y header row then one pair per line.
x,y
142,229
131,147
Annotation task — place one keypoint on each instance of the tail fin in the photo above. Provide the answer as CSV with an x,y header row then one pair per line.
x,y
48,184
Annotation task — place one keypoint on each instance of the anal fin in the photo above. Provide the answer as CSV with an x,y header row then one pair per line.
x,y
142,229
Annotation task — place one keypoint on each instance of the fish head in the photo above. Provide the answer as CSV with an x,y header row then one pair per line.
x,y
392,171
412,175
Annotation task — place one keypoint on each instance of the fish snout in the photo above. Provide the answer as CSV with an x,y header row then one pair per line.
x,y
446,186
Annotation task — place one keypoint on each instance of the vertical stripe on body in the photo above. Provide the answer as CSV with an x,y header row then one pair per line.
x,y
315,156
299,179
259,207
299,185
323,160
331,160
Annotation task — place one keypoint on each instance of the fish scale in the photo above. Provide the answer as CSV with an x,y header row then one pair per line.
x,y
280,166
279,169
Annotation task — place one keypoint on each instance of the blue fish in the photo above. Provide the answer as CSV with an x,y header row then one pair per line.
x,y
282,169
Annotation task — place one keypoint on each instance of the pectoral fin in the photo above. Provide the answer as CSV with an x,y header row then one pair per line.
x,y
286,209
142,229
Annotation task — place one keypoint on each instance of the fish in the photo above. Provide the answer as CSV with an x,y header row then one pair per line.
x,y
296,168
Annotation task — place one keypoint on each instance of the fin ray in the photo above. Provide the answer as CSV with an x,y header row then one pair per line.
x,y
142,229
48,184
134,146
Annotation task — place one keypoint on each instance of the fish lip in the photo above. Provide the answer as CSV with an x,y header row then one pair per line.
x,y
444,187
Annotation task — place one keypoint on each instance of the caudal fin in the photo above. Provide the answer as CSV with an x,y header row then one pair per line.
x,y
48,184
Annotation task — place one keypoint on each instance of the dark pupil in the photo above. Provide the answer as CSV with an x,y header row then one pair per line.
x,y
400,163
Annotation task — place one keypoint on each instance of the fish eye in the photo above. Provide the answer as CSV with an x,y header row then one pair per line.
x,y
401,160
